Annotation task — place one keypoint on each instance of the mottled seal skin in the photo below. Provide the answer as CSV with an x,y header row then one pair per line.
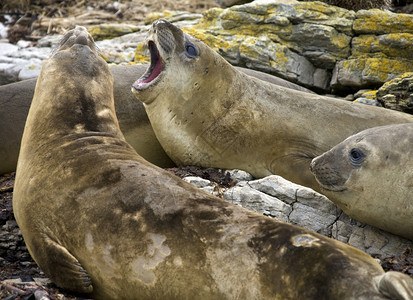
x,y
99,219
205,112
16,98
370,176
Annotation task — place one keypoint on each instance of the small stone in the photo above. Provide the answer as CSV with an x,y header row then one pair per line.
x,y
197,181
41,295
7,49
23,44
367,101
42,281
240,175
209,189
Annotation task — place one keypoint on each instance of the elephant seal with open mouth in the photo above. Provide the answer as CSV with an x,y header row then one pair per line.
x,y
205,112
99,219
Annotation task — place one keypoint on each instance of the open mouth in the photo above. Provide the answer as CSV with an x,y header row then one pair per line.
x,y
153,71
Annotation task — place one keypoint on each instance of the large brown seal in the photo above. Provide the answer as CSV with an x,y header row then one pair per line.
x,y
370,176
16,97
99,219
205,112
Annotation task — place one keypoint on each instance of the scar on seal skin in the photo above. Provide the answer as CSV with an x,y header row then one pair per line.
x,y
100,219
370,176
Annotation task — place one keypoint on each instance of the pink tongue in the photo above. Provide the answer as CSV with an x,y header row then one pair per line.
x,y
155,72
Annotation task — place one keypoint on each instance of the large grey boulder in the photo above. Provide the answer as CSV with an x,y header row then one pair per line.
x,y
278,198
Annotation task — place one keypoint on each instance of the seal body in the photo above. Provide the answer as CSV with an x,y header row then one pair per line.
x,y
16,98
99,219
205,112
370,176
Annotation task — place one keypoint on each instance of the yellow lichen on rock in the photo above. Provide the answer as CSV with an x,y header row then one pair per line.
x,y
213,41
209,18
109,31
386,69
375,21
141,53
397,79
152,17
370,94
376,70
387,45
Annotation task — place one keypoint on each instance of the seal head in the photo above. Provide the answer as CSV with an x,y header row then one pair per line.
x,y
369,175
174,54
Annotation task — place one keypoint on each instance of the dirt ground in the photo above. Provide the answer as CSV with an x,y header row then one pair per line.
x,y
19,275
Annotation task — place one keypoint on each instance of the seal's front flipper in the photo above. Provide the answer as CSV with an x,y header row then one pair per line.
x,y
395,285
63,268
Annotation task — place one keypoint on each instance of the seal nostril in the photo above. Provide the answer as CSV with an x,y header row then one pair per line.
x,y
81,39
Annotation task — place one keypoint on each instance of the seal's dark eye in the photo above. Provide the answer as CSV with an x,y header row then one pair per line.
x,y
191,50
356,157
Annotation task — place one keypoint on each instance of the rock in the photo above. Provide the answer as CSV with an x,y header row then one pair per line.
x,y
121,50
20,63
360,4
23,44
41,295
278,198
50,41
397,94
397,45
309,208
367,101
364,72
110,31
180,18
309,43
30,70
197,181
240,175
377,22
298,41
228,3
257,201
7,49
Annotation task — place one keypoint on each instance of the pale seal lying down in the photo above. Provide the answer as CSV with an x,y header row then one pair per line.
x,y
99,219
205,112
370,176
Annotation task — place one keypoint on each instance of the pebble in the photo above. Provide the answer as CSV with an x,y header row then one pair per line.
x,y
197,181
